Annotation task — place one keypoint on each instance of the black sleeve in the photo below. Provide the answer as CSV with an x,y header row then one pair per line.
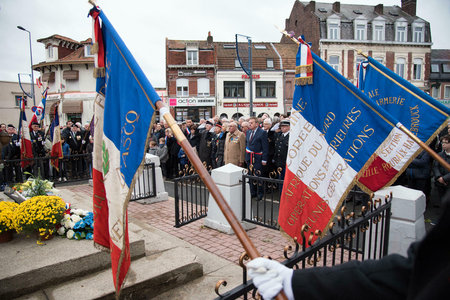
x,y
382,279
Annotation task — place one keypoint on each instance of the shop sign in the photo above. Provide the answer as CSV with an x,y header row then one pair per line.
x,y
254,76
247,104
192,102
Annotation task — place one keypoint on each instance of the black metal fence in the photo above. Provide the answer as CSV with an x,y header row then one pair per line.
x,y
352,236
191,199
262,209
76,167
145,186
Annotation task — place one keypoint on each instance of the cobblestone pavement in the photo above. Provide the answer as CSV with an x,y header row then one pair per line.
x,y
161,215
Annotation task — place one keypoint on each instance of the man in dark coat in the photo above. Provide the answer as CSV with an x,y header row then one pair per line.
x,y
440,173
218,146
423,274
38,141
10,152
74,140
256,154
204,147
281,148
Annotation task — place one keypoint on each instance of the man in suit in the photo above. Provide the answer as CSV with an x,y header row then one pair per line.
x,y
256,154
38,144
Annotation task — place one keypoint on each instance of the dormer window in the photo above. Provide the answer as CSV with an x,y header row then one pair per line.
x,y
50,51
378,29
269,63
333,27
192,56
401,30
418,32
360,29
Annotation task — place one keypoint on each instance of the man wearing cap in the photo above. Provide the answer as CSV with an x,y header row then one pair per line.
x,y
218,146
234,146
74,140
281,148
37,137
256,154
204,148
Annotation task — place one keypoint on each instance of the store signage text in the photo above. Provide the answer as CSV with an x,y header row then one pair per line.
x,y
255,76
247,104
192,101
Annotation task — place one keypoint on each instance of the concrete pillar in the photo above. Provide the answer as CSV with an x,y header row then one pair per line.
x,y
407,220
228,179
161,194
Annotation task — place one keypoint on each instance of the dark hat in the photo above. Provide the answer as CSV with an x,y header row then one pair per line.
x,y
75,125
285,122
209,122
218,124
11,125
35,123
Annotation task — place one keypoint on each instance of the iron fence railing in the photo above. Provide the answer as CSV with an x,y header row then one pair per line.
x,y
191,199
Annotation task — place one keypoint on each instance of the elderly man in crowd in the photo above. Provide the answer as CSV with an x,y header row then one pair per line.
x,y
234,146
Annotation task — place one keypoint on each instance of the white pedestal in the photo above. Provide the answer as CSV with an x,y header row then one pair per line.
x,y
227,179
161,194
407,220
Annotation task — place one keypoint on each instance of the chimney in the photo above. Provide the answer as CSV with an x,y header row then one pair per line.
x,y
379,9
409,7
209,39
311,6
337,6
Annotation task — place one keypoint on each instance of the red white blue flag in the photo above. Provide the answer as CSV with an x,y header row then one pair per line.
x,y
124,109
26,148
55,134
335,132
422,115
39,111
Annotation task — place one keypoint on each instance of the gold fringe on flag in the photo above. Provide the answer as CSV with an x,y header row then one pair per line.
x,y
99,72
94,48
304,80
304,69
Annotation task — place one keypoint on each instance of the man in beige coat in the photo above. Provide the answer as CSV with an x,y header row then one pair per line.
x,y
234,146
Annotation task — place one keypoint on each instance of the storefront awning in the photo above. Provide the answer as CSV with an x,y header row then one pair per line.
x,y
70,75
72,107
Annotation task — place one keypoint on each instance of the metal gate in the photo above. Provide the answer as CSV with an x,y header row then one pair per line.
x,y
191,199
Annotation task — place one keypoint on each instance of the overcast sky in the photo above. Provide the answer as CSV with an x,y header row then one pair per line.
x,y
144,25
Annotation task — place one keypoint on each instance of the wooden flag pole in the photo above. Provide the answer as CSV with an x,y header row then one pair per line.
x,y
244,239
416,139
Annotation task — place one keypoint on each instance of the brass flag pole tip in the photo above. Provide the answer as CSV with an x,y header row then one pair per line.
x,y
92,2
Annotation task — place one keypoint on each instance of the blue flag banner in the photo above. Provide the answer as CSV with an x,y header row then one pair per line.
x,y
124,111
416,110
335,132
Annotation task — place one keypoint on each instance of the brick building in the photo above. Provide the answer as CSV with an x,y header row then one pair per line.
x,y
233,84
393,35
67,71
440,75
190,78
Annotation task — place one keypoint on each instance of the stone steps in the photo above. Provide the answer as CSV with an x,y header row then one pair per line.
x,y
148,277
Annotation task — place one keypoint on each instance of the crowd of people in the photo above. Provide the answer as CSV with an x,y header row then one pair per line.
x,y
259,144
76,140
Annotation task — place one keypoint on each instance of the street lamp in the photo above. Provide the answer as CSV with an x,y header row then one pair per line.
x,y
31,58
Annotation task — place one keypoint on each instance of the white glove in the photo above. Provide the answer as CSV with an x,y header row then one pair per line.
x,y
270,277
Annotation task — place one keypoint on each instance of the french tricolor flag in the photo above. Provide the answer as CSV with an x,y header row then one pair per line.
x,y
126,103
335,132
